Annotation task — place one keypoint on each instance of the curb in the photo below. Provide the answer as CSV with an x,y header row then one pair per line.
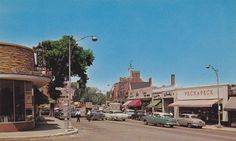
x,y
221,129
75,131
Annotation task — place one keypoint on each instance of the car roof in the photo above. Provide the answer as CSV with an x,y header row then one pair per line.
x,y
129,110
160,113
189,114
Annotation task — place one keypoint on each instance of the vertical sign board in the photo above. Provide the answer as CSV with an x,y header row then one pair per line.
x,y
28,100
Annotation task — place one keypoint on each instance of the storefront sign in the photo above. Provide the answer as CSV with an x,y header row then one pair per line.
x,y
201,93
141,93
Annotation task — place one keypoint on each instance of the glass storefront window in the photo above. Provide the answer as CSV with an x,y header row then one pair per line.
x,y
15,100
6,101
19,100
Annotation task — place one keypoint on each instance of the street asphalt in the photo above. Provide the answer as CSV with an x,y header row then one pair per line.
x,y
53,127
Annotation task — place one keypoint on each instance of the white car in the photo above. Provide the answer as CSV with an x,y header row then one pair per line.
x,y
116,115
190,120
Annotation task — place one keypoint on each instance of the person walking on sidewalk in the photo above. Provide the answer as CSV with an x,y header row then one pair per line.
x,y
77,114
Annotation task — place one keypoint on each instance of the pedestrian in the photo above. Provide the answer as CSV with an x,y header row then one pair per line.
x,y
77,114
89,115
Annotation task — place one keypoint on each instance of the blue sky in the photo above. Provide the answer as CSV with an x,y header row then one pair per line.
x,y
160,37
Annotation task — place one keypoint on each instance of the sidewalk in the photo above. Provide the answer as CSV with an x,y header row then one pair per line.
x,y
49,127
223,128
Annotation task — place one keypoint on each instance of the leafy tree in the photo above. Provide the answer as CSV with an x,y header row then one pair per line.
x,y
89,94
56,59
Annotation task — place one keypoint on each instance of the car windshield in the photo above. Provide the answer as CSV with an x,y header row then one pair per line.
x,y
117,111
194,116
170,116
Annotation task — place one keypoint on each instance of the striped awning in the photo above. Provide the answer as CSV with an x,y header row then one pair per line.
x,y
154,103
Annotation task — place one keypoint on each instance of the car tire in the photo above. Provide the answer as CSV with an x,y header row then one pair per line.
x,y
161,125
189,125
123,119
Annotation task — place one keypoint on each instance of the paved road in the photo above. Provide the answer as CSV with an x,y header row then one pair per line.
x,y
136,131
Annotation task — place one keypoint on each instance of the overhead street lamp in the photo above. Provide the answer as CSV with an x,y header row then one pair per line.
x,y
218,95
94,39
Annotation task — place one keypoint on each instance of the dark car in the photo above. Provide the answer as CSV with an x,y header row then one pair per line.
x,y
57,113
72,114
138,115
45,112
97,115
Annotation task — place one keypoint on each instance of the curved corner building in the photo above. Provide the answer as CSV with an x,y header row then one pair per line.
x,y
17,77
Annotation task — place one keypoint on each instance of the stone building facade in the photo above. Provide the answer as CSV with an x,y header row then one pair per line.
x,y
17,78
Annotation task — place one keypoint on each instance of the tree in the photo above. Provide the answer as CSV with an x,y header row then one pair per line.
x,y
56,59
89,94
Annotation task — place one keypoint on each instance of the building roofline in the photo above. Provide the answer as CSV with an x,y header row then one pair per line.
x,y
15,45
205,86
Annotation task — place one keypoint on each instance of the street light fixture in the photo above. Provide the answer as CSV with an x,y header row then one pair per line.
x,y
218,95
94,39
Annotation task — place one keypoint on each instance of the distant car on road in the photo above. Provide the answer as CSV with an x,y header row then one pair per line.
x,y
45,112
97,115
116,115
130,112
138,115
162,119
190,120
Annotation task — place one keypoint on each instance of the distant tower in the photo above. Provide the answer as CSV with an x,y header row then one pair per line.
x,y
130,68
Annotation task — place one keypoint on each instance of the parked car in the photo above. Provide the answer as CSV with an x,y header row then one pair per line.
x,y
97,115
116,115
45,112
130,112
138,115
162,119
190,120
57,112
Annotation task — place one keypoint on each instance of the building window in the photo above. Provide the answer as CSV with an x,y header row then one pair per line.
x,y
15,100
6,101
19,100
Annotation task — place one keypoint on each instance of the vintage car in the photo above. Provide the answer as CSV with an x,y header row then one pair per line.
x,y
138,115
130,112
190,120
97,115
116,115
162,119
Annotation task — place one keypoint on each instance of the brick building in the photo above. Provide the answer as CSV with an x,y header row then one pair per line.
x,y
120,90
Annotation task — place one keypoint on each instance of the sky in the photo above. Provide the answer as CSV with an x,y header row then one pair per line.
x,y
159,37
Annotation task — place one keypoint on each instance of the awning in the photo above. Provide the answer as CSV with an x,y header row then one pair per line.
x,y
126,103
154,103
231,104
135,103
193,103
